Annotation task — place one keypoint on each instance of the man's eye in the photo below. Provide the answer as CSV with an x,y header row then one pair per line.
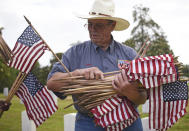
x,y
99,25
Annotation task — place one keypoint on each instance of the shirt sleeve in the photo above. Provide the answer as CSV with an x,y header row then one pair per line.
x,y
57,67
69,61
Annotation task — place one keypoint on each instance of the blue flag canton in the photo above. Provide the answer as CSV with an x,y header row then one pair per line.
x,y
175,91
32,84
28,37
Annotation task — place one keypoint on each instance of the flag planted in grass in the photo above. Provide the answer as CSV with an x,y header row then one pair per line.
x,y
28,49
38,101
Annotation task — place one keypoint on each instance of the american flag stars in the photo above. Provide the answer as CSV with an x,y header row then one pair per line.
x,y
28,37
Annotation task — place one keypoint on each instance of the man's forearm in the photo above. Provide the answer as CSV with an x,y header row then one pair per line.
x,y
55,85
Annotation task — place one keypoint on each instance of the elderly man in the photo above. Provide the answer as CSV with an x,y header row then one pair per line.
x,y
94,57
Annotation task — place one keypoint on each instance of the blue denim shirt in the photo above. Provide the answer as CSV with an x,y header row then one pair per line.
x,y
88,54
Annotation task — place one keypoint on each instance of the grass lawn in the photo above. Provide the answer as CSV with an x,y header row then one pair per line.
x,y
11,120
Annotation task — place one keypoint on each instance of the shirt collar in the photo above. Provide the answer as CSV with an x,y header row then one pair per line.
x,y
111,46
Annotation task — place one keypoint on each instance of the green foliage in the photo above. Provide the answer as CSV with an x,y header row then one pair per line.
x,y
147,29
41,72
129,42
186,70
145,26
159,47
11,119
7,76
54,59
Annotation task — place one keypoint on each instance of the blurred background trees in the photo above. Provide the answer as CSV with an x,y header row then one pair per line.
x,y
146,29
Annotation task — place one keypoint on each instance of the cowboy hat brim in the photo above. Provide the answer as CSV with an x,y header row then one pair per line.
x,y
121,24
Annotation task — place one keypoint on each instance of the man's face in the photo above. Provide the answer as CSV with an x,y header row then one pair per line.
x,y
100,31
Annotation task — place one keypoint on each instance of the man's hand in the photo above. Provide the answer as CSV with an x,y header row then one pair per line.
x,y
129,89
4,105
89,73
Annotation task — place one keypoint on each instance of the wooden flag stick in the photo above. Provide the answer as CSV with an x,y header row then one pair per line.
x,y
48,47
5,51
138,54
16,86
145,50
19,79
107,74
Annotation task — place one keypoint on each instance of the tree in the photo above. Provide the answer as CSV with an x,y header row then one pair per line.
x,y
185,70
41,72
159,47
54,60
146,28
7,76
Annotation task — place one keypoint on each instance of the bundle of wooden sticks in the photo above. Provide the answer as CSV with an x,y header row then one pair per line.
x,y
91,93
5,51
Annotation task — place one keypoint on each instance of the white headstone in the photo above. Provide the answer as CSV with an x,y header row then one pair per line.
x,y
21,102
145,107
5,91
27,125
69,122
145,124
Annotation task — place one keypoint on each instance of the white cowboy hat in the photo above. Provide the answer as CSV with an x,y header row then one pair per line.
x,y
104,9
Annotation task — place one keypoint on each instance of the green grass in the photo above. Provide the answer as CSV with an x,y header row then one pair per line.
x,y
11,119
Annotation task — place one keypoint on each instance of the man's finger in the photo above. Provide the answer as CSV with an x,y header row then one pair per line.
x,y
124,75
92,75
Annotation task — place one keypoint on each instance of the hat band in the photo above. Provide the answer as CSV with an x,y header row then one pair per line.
x,y
94,13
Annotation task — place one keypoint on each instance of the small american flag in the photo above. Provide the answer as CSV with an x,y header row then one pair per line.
x,y
115,114
167,104
37,100
28,49
152,71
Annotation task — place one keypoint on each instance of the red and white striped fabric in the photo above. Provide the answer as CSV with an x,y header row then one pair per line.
x,y
25,57
152,71
28,49
37,100
164,113
122,116
106,107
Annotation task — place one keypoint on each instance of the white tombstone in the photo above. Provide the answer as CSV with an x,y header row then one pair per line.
x,y
145,107
145,124
21,102
27,125
69,122
5,91
54,97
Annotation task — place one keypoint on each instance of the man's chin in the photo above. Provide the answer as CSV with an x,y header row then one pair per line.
x,y
95,41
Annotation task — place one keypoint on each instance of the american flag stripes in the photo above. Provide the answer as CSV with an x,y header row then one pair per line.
x,y
117,112
28,49
37,100
116,115
167,104
153,71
